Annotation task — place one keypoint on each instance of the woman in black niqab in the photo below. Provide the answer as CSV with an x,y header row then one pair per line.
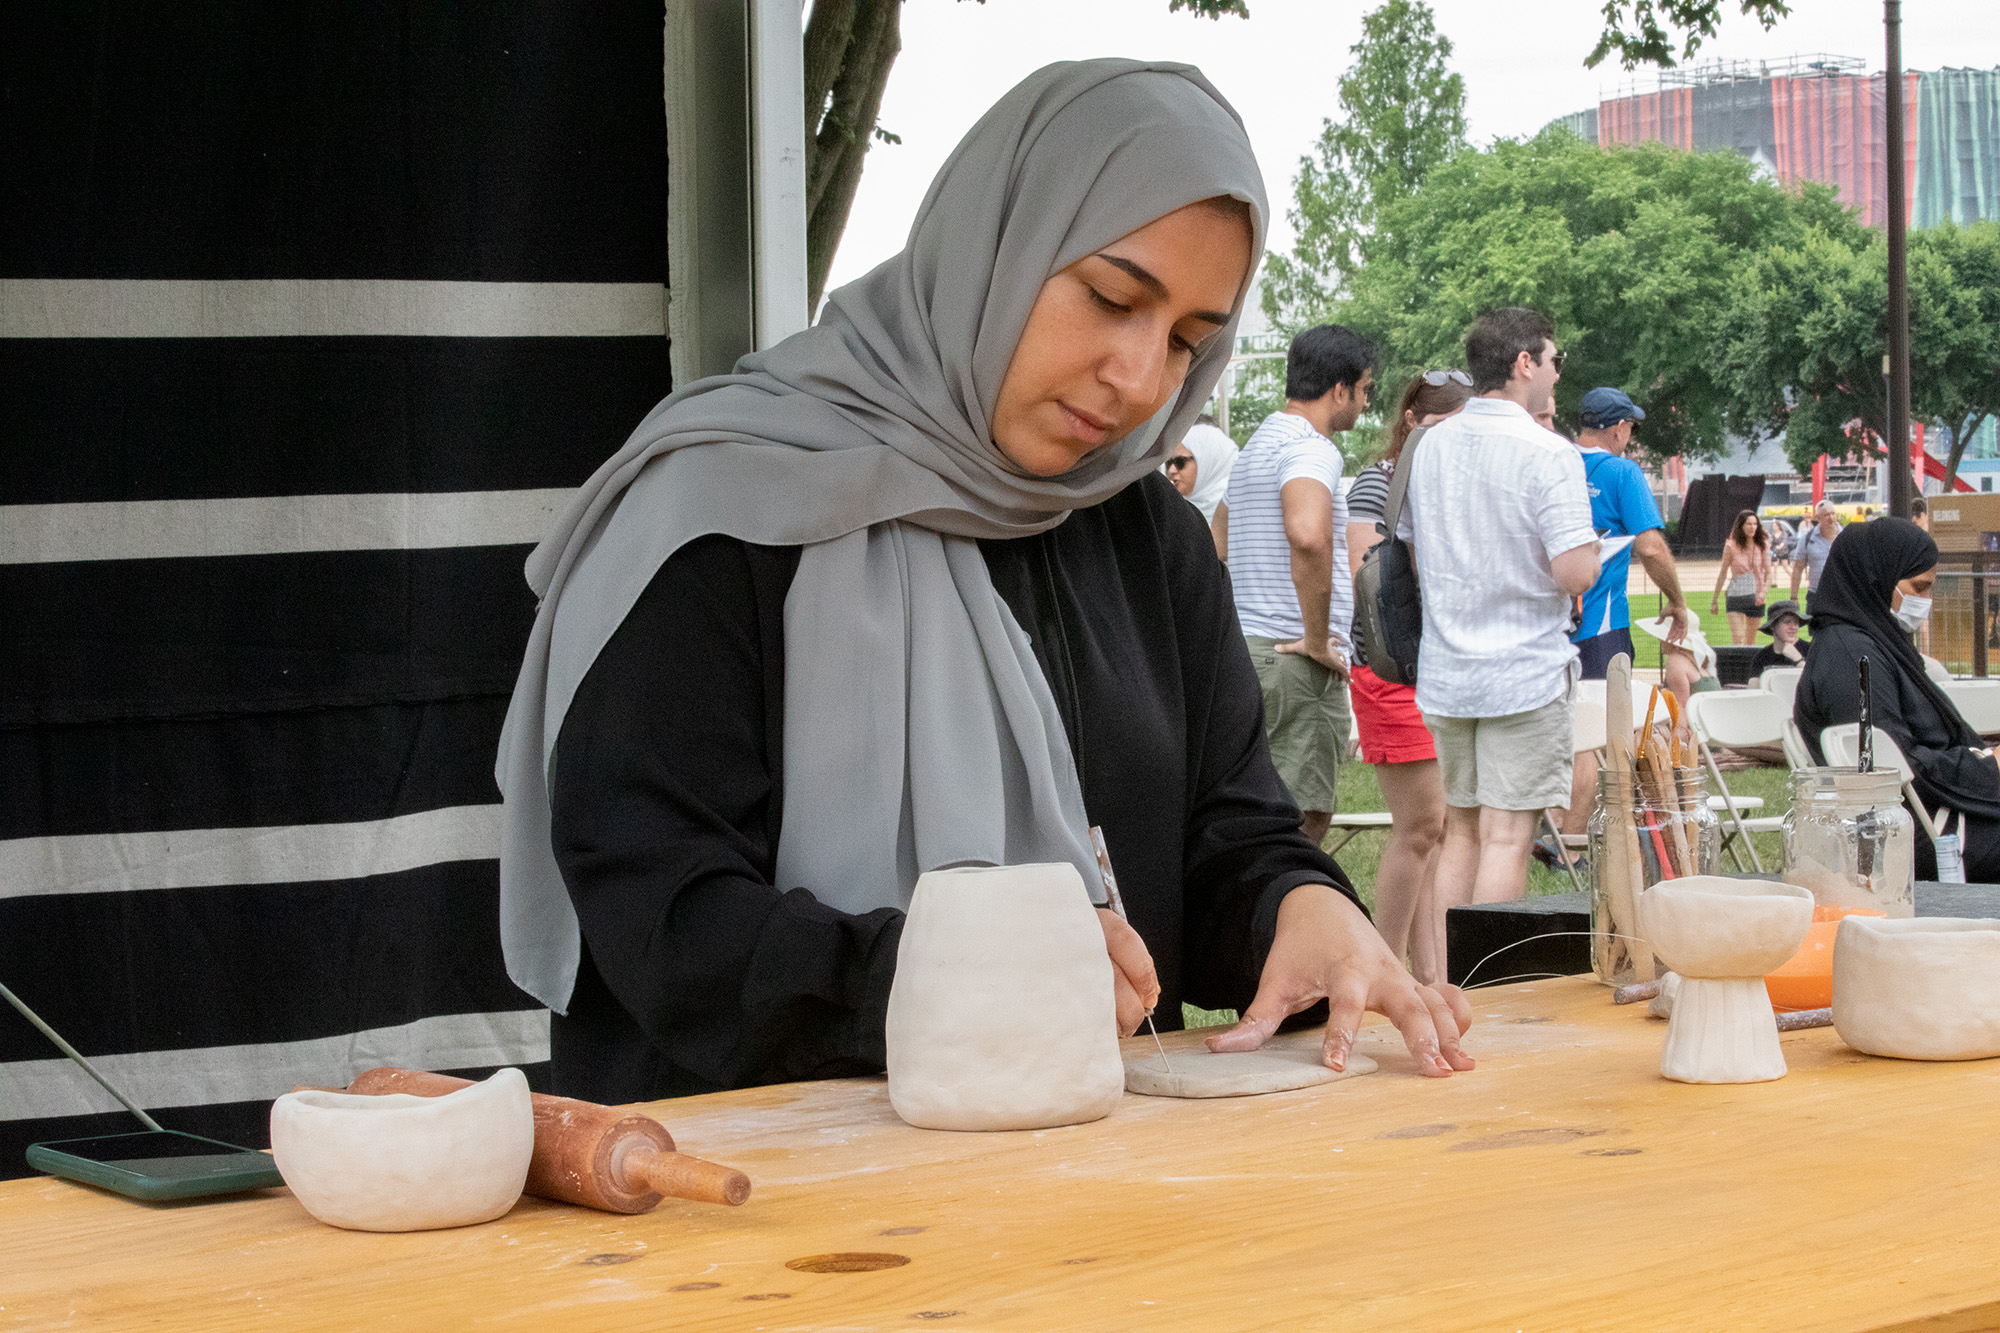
x,y
1871,567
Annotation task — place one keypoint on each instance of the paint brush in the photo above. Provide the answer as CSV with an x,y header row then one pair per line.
x,y
1116,903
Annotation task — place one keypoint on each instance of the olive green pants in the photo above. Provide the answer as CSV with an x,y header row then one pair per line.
x,y
1308,720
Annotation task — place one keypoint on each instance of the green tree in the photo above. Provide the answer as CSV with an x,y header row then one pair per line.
x,y
1403,112
851,46
1807,331
1632,252
1647,37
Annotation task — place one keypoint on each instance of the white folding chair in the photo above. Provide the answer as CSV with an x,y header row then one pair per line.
x,y
1353,825
1782,682
1937,671
1978,702
1737,717
1587,733
1796,753
1841,745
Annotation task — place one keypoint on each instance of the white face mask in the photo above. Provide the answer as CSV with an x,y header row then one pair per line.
x,y
1913,612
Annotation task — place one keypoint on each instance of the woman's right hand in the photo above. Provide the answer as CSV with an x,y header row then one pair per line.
x,y
1135,981
1712,603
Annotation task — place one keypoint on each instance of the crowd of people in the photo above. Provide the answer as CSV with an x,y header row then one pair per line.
x,y
1523,537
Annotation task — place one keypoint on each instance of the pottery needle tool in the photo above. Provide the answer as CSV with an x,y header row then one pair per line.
x,y
1116,903
1865,823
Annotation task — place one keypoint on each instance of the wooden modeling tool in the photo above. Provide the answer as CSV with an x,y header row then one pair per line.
x,y
1621,845
594,1155
1116,903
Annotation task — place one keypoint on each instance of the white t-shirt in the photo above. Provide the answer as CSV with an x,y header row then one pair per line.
x,y
1493,499
1283,449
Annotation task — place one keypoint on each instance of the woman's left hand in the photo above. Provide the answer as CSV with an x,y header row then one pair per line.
x,y
1327,949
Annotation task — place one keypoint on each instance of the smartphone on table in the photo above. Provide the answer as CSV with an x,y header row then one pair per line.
x,y
157,1165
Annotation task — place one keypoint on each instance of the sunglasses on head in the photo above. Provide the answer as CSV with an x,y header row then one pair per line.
x,y
1178,461
1437,379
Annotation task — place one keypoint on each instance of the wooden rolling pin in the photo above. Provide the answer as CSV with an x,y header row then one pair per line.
x,y
594,1155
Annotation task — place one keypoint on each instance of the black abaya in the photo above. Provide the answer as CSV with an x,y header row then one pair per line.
x,y
700,973
1851,618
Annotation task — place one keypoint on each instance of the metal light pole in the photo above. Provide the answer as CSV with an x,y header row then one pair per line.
x,y
1901,486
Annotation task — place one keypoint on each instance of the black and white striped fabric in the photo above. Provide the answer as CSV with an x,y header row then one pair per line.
x,y
309,317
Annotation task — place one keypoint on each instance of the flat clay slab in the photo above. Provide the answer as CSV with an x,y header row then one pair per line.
x,y
1285,1064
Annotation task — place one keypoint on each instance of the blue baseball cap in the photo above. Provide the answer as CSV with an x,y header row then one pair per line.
x,y
1604,408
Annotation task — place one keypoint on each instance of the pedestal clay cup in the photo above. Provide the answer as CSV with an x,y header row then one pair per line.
x,y
1003,1013
1722,935
1920,988
403,1163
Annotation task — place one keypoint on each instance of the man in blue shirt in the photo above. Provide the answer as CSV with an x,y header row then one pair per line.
x,y
1621,505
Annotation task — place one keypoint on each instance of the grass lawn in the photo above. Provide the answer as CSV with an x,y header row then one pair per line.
x,y
1359,791
1715,628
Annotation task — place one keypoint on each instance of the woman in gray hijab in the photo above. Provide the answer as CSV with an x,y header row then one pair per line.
x,y
907,591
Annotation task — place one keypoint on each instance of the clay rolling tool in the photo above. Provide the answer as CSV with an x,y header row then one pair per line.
x,y
1799,1019
1637,991
598,1156
1117,904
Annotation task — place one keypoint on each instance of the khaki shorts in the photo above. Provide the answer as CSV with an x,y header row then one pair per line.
x,y
1307,719
1518,762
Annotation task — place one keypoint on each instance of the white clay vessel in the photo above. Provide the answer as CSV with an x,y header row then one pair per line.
x,y
1722,935
402,1163
1002,1015
1922,988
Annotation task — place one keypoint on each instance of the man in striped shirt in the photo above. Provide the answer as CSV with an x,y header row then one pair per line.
x,y
1282,529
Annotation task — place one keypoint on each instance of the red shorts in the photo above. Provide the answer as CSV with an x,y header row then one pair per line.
x,y
1392,730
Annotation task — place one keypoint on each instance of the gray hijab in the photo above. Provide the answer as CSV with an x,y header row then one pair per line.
x,y
919,731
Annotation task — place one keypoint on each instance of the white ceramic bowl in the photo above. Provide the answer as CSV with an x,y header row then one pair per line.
x,y
1711,926
403,1163
1920,988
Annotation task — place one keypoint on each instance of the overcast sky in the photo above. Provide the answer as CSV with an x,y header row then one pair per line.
x,y
1522,62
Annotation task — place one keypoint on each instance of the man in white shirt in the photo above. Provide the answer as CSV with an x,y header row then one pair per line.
x,y
1500,521
1282,529
1810,550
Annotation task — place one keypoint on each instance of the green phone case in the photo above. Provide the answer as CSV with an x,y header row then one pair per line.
x,y
229,1170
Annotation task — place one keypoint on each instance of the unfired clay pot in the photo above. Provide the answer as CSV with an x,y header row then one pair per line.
x,y
1002,1015
1722,935
403,1163
1921,988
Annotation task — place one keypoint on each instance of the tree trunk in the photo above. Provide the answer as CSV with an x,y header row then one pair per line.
x,y
850,47
1968,426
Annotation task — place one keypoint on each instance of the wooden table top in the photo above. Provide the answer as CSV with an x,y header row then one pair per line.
x,y
1562,1185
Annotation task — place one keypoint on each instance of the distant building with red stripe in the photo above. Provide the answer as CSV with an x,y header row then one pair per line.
x,y
1824,118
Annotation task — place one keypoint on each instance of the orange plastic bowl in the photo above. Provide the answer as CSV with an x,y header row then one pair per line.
x,y
1806,980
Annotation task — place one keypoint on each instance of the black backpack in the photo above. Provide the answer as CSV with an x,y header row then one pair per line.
x,y
1388,607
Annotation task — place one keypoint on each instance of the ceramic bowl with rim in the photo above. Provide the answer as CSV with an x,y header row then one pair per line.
x,y
1918,988
1713,926
401,1163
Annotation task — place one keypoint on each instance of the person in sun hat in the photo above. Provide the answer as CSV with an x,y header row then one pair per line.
x,y
1782,622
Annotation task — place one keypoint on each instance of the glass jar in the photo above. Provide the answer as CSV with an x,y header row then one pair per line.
x,y
1850,841
1666,833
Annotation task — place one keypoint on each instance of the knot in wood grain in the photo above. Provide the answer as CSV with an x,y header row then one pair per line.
x,y
852,1262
